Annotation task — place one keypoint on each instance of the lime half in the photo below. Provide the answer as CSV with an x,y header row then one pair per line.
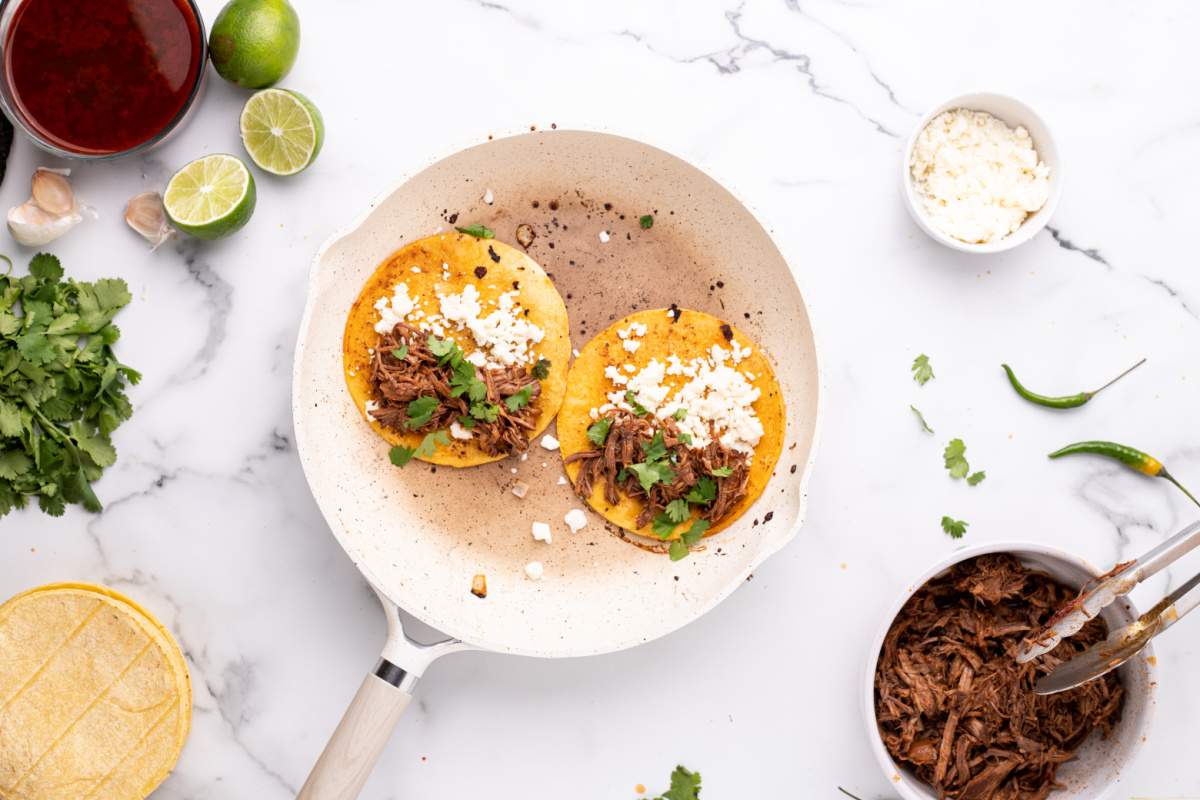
x,y
211,197
282,131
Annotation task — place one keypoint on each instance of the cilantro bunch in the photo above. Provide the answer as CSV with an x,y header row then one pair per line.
x,y
62,390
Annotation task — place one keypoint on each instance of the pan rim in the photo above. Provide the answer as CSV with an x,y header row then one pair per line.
x,y
736,579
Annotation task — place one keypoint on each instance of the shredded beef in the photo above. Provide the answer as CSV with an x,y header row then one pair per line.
x,y
624,447
396,382
953,704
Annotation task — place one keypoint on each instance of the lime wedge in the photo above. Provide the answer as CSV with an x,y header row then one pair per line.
x,y
282,131
211,197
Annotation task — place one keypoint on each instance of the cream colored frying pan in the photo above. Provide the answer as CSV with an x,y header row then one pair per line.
x,y
421,534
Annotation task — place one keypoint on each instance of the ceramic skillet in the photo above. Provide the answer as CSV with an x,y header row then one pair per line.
x,y
419,535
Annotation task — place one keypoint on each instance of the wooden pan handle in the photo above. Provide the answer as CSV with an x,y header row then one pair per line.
x,y
360,737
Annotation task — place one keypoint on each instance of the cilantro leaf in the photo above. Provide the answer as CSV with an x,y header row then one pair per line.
x,y
722,472
703,493
646,221
517,401
681,547
478,231
649,474
685,437
922,370
976,478
662,525
400,455
467,422
677,510
597,432
420,411
638,408
485,411
921,419
541,370
656,448
444,349
954,528
400,353
955,459
685,785
46,268
680,414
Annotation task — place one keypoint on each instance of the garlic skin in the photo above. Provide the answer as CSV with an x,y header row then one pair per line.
x,y
32,226
144,213
50,212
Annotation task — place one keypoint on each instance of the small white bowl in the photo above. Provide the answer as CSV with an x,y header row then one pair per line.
x,y
1013,113
1096,769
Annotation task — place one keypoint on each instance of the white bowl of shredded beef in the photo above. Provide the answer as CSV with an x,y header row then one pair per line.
x,y
949,712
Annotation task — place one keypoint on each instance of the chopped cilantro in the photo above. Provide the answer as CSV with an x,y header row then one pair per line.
x,y
478,231
677,510
646,221
685,785
485,411
519,400
656,448
420,411
597,432
685,437
976,478
682,546
662,525
541,370
400,353
955,458
402,455
638,408
680,414
954,528
466,422
722,472
651,473
922,370
703,493
63,390
921,419
445,349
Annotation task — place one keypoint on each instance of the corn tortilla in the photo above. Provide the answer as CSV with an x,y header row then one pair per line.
x,y
95,696
692,336
462,255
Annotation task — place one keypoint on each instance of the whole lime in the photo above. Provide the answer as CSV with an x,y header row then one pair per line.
x,y
254,42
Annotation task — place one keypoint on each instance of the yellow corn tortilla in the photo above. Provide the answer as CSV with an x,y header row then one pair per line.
x,y
95,696
462,254
692,336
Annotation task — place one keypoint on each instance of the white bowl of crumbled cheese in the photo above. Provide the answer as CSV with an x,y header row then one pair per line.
x,y
981,173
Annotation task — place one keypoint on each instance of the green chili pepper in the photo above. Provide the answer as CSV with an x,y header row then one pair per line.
x,y
1143,463
1068,401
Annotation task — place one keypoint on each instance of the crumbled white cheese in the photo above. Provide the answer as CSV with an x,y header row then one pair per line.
x,y
575,353
647,388
977,178
541,532
459,432
630,368
504,334
534,570
394,309
416,269
488,197
576,520
562,480
370,406
604,236
549,442
614,375
631,345
520,489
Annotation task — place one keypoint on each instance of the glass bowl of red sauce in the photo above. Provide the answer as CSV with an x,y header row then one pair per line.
x,y
98,79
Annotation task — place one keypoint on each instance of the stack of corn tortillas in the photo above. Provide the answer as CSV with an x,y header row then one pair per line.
x,y
95,697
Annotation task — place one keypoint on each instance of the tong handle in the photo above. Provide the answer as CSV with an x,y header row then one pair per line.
x,y
1178,603
1166,553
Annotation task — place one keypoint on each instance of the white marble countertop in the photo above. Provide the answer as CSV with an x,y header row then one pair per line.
x,y
802,106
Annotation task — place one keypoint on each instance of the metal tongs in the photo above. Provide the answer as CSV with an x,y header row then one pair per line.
x,y
1123,643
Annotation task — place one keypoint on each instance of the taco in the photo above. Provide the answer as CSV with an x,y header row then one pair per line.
x,y
672,424
456,350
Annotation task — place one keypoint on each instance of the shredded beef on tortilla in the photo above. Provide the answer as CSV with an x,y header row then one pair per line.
x,y
628,436
953,704
396,382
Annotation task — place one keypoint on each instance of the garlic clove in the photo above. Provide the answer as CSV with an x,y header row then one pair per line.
x,y
52,192
32,226
144,213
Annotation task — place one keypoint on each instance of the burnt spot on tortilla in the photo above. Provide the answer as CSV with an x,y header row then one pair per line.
x,y
517,285
493,254
727,331
481,271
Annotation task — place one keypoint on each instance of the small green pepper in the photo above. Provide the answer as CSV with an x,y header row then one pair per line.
x,y
1131,457
1068,401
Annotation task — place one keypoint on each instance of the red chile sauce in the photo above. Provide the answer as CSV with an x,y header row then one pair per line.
x,y
102,76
